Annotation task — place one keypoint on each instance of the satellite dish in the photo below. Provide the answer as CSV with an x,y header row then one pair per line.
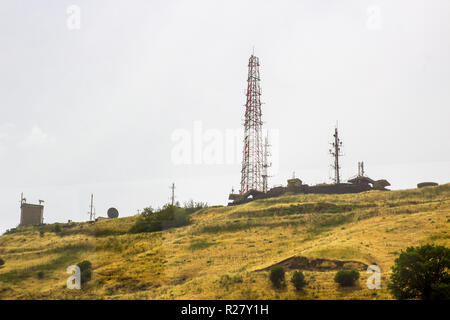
x,y
113,213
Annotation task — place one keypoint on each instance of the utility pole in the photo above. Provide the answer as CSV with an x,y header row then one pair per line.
x,y
335,151
91,209
173,193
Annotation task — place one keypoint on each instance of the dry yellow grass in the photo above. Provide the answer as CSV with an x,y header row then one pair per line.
x,y
216,256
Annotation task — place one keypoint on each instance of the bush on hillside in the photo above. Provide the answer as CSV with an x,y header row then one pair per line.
x,y
57,228
298,280
85,270
346,278
277,276
168,217
191,206
2,262
422,273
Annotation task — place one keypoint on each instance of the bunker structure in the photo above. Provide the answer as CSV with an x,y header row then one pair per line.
x,y
295,186
31,214
427,184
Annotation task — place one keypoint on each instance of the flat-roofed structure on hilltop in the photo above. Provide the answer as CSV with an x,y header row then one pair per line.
x,y
31,214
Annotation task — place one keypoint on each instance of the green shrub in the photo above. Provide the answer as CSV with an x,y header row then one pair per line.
x,y
41,233
226,280
346,278
277,276
191,206
168,217
298,280
422,273
57,228
40,275
2,262
85,270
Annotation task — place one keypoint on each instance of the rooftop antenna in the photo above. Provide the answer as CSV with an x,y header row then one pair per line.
x,y
336,152
361,169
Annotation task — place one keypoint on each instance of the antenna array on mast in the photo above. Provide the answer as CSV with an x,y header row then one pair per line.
x,y
336,152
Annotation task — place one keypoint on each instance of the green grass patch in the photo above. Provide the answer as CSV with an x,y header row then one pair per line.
x,y
200,245
68,255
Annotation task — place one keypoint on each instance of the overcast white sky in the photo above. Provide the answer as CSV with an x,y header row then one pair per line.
x,y
94,110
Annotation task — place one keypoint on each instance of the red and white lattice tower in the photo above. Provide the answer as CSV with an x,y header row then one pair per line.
x,y
253,158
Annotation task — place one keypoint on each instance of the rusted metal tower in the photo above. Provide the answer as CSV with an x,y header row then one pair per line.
x,y
253,158
336,152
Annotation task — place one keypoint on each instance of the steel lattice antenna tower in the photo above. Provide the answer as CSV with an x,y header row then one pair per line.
x,y
336,153
253,160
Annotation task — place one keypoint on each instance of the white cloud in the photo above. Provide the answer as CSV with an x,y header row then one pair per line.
x,y
36,138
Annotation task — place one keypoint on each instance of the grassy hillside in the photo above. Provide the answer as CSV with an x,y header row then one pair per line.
x,y
219,254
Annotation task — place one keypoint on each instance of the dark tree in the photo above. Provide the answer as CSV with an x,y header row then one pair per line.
x,y
298,280
421,273
86,271
277,276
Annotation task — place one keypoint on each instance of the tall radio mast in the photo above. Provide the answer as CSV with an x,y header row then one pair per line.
x,y
253,159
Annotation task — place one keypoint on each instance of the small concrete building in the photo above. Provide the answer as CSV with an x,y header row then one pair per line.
x,y
31,214
294,185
